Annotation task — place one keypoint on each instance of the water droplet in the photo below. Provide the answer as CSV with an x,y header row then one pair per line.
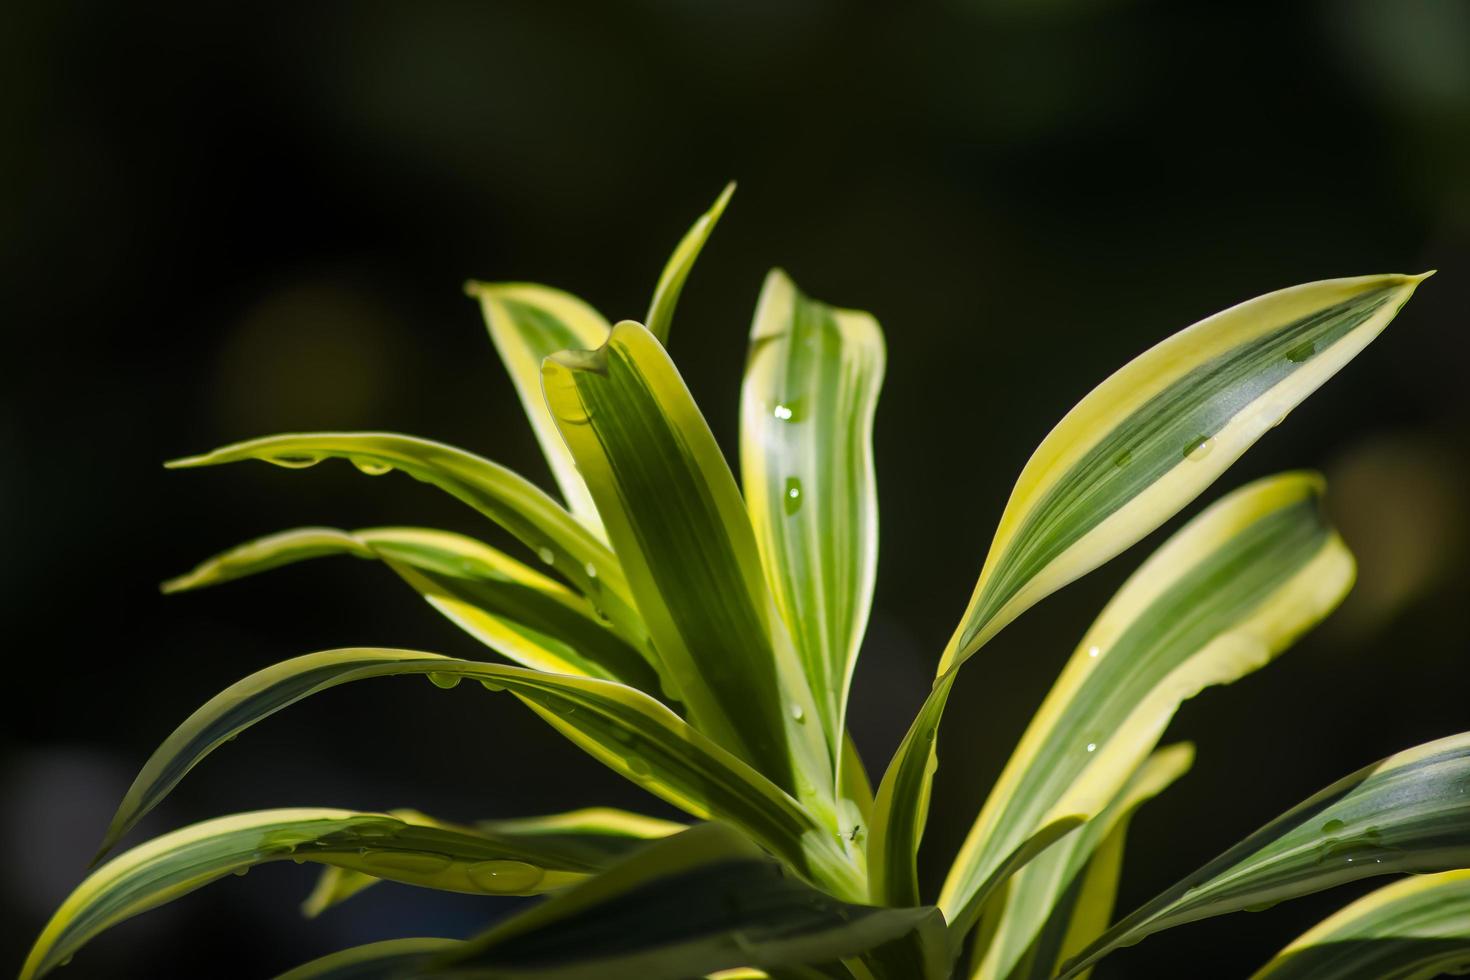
x,y
1094,652
798,714
406,862
638,767
372,468
1199,448
443,680
504,877
546,555
1332,826
782,412
1092,746
242,872
590,569
295,461
492,686
791,500
1301,351
1123,459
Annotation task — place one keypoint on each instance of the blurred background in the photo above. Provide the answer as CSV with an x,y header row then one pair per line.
x,y
220,221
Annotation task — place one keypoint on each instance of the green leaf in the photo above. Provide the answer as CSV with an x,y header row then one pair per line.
x,y
509,500
592,838
623,728
1410,812
1152,437
1063,899
676,520
671,281
527,323
392,959
806,459
504,604
1414,928
1128,457
1218,600
701,901
177,863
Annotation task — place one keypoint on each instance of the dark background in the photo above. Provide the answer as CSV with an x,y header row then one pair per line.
x,y
220,221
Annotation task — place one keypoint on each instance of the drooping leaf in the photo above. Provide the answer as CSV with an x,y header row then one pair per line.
x,y
509,500
698,902
177,863
1152,437
623,728
1413,929
593,838
1127,458
392,959
1063,899
1409,812
676,519
671,281
806,459
506,605
1218,600
527,323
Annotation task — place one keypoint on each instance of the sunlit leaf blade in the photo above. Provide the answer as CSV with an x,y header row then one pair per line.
x,y
595,838
527,323
1131,454
623,728
698,902
1063,899
508,499
392,959
1150,438
511,608
676,519
1413,929
806,460
671,281
1218,600
592,825
1410,812
177,863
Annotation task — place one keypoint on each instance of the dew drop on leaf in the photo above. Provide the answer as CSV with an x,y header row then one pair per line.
x,y
372,468
294,461
546,554
791,499
442,680
797,714
1199,448
1301,352
500,877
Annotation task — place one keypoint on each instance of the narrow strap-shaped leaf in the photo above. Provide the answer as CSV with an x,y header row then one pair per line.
x,y
1218,600
623,728
595,823
698,902
511,608
1062,901
508,499
1414,928
1410,812
527,323
671,281
594,837
392,959
806,460
177,863
675,517
1127,458
1150,438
